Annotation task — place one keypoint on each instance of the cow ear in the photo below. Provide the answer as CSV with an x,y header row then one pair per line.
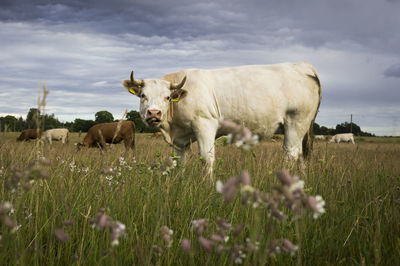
x,y
130,87
177,95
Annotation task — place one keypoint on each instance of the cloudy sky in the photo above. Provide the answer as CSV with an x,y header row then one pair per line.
x,y
84,49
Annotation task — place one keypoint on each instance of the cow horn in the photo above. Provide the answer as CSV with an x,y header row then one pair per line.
x,y
178,86
136,83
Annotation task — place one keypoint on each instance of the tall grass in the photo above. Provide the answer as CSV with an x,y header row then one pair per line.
x,y
360,184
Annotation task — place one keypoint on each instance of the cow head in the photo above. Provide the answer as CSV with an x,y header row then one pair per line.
x,y
80,146
155,97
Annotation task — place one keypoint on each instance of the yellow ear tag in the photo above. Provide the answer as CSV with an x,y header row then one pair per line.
x,y
132,91
175,99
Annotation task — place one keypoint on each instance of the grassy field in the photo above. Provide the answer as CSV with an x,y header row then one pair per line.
x,y
53,218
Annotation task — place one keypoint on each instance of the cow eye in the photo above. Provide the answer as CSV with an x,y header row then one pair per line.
x,y
143,96
167,98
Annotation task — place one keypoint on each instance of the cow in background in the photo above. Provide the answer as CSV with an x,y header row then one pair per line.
x,y
188,105
319,137
56,134
29,134
112,133
344,137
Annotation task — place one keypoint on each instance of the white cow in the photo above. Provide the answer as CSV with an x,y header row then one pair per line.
x,y
56,134
187,105
319,137
344,137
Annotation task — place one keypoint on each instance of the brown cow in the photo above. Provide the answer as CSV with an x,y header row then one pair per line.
x,y
114,132
29,134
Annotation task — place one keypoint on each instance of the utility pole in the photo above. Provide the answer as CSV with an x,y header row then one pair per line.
x,y
351,123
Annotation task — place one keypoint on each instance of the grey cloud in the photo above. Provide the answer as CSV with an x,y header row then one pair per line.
x,y
393,71
84,49
315,24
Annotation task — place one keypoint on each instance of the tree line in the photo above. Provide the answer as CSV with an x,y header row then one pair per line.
x,y
34,119
44,121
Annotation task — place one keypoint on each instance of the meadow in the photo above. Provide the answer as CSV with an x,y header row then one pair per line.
x,y
59,196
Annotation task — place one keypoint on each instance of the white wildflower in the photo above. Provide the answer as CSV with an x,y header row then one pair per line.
x,y
292,253
7,205
122,161
239,143
15,229
219,185
277,250
320,207
298,185
238,260
72,166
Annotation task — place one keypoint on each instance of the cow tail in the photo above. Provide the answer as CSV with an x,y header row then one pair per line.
x,y
309,136
308,142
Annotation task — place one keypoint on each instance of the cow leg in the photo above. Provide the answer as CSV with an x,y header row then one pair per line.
x,y
129,146
205,131
181,152
292,144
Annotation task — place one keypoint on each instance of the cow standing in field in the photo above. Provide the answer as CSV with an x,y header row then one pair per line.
x,y
56,134
344,137
29,134
188,105
111,133
319,137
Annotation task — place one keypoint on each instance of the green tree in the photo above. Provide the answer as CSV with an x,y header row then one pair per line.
x,y
32,118
316,129
69,125
350,127
21,124
323,130
347,128
103,117
49,122
82,125
8,123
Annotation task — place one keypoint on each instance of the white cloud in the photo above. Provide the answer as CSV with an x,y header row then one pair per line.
x,y
99,83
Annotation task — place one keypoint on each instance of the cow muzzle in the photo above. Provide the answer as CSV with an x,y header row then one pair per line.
x,y
153,117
